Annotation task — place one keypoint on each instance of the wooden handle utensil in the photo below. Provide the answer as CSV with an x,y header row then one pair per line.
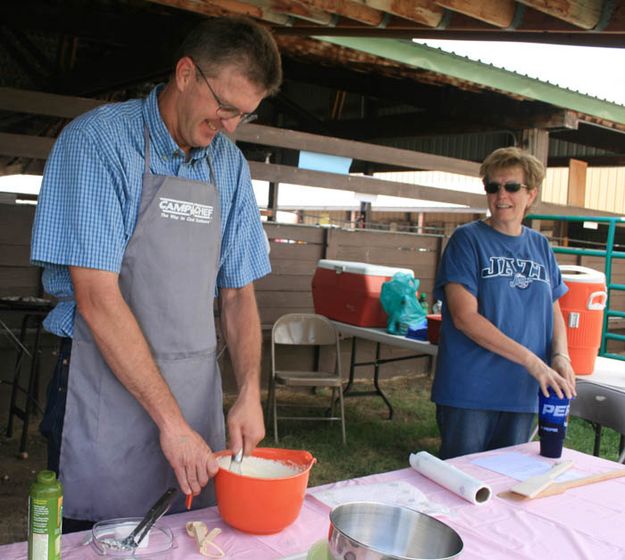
x,y
531,487
561,487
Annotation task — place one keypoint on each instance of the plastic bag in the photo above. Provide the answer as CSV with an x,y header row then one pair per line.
x,y
399,299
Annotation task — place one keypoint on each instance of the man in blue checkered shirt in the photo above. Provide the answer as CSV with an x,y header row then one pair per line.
x,y
146,212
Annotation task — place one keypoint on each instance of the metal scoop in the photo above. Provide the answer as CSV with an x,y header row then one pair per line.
x,y
236,461
156,512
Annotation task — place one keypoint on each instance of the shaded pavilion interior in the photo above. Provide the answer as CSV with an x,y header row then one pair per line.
x,y
117,49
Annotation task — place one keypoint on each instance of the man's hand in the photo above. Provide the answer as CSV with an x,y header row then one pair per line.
x,y
190,457
241,329
246,426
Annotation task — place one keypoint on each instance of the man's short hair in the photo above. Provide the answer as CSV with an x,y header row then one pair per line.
x,y
503,158
235,41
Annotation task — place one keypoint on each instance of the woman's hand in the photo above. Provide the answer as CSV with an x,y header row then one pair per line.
x,y
560,380
562,364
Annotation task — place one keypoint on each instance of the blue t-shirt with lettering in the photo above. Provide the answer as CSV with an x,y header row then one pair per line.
x,y
516,280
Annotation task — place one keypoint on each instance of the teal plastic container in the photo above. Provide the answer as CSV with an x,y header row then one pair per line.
x,y
45,517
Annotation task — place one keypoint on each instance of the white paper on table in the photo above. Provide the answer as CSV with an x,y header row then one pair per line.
x,y
521,467
450,477
395,493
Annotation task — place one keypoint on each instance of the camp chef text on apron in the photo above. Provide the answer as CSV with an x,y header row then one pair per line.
x,y
111,461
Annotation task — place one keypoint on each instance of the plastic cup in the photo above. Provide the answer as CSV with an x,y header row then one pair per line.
x,y
553,414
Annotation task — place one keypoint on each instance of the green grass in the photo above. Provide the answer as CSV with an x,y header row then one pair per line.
x,y
376,444
581,437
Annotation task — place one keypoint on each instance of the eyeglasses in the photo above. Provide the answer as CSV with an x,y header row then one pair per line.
x,y
225,111
491,187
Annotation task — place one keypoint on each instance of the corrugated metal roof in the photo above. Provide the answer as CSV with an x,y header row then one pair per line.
x,y
463,68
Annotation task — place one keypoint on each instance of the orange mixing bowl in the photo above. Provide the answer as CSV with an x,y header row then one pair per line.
x,y
263,505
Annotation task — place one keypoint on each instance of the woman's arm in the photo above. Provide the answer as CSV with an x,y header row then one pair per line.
x,y
560,359
462,306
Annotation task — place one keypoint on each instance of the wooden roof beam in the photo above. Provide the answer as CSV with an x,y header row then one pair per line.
x,y
350,10
296,10
221,7
425,12
585,14
499,13
612,141
50,104
431,123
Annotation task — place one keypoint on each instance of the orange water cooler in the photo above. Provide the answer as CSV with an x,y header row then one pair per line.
x,y
582,308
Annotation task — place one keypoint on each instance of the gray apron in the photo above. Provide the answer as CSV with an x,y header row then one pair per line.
x,y
111,460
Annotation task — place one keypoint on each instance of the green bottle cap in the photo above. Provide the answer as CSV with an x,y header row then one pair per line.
x,y
46,477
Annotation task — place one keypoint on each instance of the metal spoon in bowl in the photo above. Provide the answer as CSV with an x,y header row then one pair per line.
x,y
236,461
157,511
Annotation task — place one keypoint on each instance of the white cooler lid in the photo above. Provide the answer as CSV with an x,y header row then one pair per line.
x,y
581,274
362,268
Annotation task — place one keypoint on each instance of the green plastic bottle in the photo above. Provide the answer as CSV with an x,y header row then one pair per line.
x,y
423,301
45,516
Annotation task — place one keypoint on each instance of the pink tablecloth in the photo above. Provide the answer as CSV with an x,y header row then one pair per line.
x,y
585,523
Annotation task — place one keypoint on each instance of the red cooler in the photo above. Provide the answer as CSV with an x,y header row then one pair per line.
x,y
434,327
350,291
582,308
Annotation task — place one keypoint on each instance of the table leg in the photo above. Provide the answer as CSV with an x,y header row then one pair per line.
x,y
348,390
352,367
376,381
597,446
433,365
33,382
21,350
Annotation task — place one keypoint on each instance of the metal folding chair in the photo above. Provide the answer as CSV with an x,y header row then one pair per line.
x,y
306,329
602,406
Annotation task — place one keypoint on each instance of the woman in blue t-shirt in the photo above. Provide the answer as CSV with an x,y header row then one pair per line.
x,y
502,335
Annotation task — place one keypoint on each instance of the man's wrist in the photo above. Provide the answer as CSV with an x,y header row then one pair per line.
x,y
250,390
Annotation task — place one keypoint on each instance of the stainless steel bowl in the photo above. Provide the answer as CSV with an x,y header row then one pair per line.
x,y
373,531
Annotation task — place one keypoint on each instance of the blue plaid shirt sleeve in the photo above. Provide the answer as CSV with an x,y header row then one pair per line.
x,y
244,255
79,218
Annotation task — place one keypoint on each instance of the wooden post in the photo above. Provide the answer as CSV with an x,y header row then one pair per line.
x,y
272,199
576,195
536,142
421,222
272,202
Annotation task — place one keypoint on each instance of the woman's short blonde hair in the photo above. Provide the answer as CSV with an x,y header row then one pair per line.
x,y
503,158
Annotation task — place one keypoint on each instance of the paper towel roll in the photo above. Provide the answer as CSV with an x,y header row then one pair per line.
x,y
448,476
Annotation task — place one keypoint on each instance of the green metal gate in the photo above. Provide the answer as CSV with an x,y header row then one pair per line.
x,y
609,253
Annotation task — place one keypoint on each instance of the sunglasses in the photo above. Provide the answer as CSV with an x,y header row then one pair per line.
x,y
491,187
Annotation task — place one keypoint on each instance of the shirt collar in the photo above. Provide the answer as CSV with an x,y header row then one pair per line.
x,y
162,141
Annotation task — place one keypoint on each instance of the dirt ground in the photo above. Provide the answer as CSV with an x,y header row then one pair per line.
x,y
17,473
16,476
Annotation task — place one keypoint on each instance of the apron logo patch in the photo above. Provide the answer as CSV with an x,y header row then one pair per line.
x,y
185,211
